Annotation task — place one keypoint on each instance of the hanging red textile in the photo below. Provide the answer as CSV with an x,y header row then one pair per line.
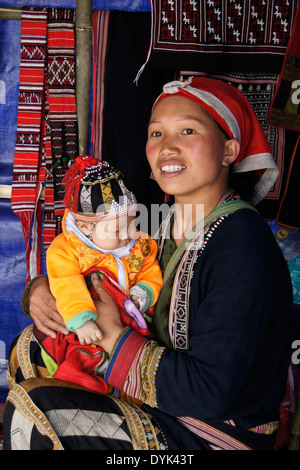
x,y
61,121
47,137
28,173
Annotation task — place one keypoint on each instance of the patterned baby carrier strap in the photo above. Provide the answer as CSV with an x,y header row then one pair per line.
x,y
184,260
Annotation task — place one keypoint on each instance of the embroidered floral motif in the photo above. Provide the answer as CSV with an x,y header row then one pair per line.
x,y
86,257
145,247
135,263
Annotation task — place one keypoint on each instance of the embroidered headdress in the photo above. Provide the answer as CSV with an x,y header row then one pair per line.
x,y
94,189
231,110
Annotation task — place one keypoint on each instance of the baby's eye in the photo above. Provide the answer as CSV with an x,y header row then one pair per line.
x,y
188,131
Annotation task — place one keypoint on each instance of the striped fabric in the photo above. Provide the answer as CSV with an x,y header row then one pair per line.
x,y
217,439
27,175
100,32
46,124
61,121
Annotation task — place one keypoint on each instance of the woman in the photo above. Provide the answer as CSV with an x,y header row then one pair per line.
x,y
215,374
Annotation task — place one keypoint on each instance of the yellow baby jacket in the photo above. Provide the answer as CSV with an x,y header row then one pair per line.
x,y
68,258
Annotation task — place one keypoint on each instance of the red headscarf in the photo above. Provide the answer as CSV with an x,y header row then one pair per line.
x,y
234,114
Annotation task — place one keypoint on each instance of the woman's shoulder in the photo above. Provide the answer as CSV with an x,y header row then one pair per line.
x,y
247,223
242,243
245,231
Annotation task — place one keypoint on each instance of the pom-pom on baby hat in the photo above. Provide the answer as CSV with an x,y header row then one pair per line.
x,y
232,111
95,190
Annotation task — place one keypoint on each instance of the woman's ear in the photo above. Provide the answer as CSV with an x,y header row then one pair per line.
x,y
85,227
232,149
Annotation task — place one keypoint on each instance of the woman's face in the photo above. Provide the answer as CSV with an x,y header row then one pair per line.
x,y
186,150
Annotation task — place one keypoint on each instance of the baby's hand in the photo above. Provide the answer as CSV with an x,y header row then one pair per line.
x,y
135,300
88,333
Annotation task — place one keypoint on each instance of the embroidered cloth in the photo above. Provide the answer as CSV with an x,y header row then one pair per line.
x,y
244,29
61,121
46,124
285,107
210,26
28,173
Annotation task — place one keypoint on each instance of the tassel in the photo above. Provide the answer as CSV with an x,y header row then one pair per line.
x,y
73,179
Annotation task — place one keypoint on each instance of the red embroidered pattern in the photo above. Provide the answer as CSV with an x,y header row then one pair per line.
x,y
61,135
29,169
245,26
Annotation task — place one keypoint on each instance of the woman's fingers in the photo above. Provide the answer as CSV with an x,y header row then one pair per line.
x,y
47,325
43,309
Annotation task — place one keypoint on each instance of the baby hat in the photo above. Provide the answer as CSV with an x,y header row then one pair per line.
x,y
95,190
232,111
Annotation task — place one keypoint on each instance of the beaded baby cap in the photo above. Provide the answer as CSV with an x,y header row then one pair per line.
x,y
95,190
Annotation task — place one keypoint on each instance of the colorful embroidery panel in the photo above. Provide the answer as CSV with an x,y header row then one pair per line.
x,y
212,26
285,109
61,134
47,123
29,169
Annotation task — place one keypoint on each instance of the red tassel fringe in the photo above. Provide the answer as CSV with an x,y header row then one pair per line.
x,y
73,179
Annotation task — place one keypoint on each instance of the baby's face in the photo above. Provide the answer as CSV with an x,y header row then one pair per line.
x,y
114,233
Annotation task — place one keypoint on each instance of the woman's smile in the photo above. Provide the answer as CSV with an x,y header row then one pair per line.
x,y
171,168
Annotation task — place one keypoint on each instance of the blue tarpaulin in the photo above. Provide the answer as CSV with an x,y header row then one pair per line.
x,y
124,5
12,243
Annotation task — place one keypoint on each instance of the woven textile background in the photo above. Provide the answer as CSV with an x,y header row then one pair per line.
x,y
12,243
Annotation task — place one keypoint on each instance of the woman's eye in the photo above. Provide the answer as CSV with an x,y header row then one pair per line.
x,y
188,131
155,134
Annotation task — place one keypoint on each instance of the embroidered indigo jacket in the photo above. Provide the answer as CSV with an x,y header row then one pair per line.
x,y
230,326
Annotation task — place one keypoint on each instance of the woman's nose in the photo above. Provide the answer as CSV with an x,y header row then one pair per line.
x,y
168,147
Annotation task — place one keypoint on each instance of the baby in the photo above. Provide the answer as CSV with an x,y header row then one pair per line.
x,y
99,232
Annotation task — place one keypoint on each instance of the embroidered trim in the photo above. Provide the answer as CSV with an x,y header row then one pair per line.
x,y
24,405
217,438
125,349
20,398
144,435
23,352
148,369
140,382
267,428
179,306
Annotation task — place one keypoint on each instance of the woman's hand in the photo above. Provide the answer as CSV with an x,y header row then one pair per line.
x,y
43,311
109,318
